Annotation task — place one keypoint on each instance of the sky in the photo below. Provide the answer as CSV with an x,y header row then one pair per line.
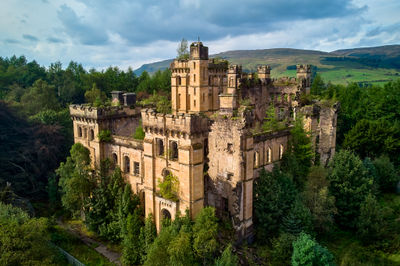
x,y
129,33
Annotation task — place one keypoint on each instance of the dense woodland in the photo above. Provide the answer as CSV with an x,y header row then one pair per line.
x,y
302,210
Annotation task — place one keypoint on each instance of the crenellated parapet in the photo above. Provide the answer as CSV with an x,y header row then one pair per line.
x,y
87,112
303,68
183,124
180,66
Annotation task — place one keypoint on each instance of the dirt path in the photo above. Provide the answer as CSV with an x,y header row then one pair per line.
x,y
112,256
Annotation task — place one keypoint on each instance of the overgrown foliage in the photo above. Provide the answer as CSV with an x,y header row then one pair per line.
x,y
25,240
169,187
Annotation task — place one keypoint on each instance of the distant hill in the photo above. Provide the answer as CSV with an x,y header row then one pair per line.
x,y
364,65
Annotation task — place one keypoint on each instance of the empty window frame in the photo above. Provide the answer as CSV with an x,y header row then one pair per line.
x,y
136,168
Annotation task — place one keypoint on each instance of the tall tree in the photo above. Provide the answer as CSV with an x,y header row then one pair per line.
x,y
205,230
317,198
274,194
183,50
350,184
75,179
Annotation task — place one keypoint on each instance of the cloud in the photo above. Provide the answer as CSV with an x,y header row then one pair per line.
x,y
101,33
393,28
77,28
54,40
141,22
11,41
30,37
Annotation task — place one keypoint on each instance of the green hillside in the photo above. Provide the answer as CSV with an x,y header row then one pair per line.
x,y
372,65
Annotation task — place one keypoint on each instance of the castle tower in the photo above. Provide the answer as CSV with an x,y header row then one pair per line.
x,y
264,73
229,99
303,74
174,144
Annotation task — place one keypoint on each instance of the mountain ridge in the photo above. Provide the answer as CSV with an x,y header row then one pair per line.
x,y
364,64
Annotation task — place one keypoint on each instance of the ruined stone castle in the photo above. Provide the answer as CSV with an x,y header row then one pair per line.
x,y
212,142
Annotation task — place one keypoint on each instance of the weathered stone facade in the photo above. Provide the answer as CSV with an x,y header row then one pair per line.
x,y
210,142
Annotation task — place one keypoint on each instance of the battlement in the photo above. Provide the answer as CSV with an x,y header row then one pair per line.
x,y
264,69
285,81
184,123
303,69
235,69
179,66
214,64
198,51
100,113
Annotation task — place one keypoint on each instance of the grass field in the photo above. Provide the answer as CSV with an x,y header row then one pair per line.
x,y
74,246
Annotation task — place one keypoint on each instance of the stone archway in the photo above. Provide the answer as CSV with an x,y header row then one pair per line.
x,y
165,214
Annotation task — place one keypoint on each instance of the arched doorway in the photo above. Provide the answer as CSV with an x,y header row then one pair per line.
x,y
165,214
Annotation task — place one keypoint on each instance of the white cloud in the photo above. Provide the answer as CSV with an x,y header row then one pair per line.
x,y
100,33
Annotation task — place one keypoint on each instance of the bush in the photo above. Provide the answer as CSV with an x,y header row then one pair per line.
x,y
282,249
306,251
139,133
105,135
169,187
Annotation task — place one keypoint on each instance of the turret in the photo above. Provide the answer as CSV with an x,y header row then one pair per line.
x,y
304,72
264,73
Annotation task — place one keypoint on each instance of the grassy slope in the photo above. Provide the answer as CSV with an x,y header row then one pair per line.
x,y
375,65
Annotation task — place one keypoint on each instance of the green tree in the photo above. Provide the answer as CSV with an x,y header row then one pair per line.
x,y
157,255
75,179
40,96
386,174
270,121
274,194
183,50
318,86
205,230
95,96
350,184
148,234
24,240
180,250
299,155
317,198
228,258
282,249
307,251
132,246
298,219
371,223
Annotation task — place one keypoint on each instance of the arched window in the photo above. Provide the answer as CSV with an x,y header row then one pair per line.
x,y
165,173
85,133
173,146
194,65
80,132
127,165
280,151
194,77
179,80
115,159
256,159
91,134
231,82
268,155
